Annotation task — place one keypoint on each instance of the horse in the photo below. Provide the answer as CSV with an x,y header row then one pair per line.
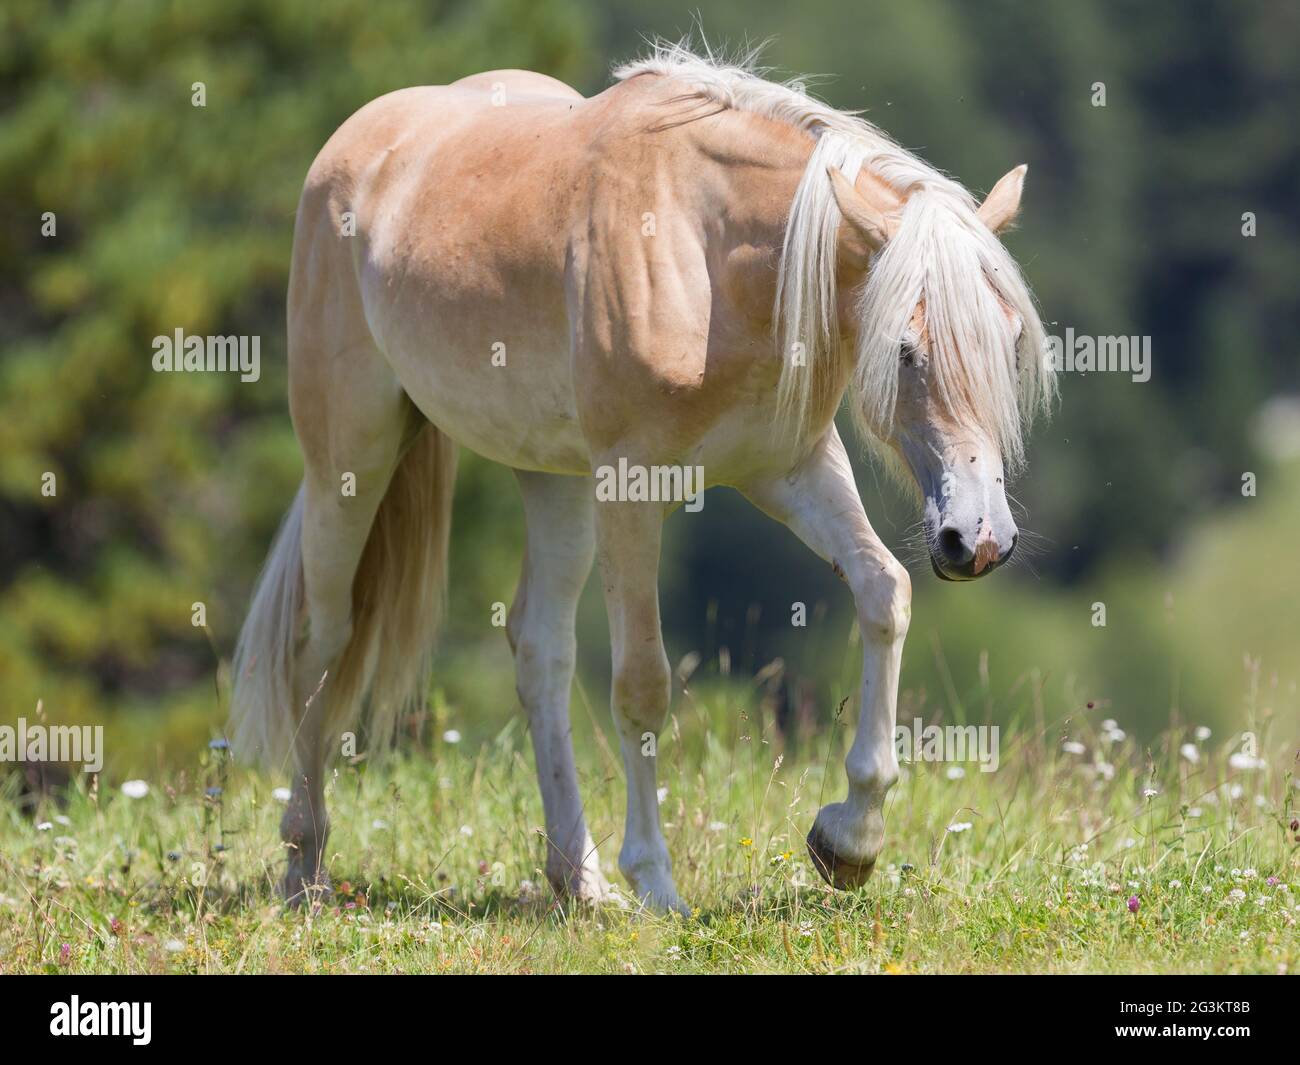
x,y
695,268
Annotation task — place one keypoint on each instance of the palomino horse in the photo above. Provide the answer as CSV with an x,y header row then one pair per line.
x,y
691,269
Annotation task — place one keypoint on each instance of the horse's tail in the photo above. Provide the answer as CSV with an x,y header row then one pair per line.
x,y
397,598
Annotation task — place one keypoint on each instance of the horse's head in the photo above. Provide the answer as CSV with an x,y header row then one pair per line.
x,y
947,370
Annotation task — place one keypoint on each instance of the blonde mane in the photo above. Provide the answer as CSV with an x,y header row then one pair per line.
x,y
942,256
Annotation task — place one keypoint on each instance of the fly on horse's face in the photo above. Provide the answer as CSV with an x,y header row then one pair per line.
x,y
957,467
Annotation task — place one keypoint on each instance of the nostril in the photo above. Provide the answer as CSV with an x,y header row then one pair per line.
x,y
953,546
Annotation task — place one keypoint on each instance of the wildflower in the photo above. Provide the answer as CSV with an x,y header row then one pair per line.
x,y
1074,747
1190,752
746,842
62,819
1175,884
955,772
135,789
173,946
379,824
1271,881
1149,793
44,826
1236,895
451,736
1202,733
214,792
465,830
1133,904
1195,811
662,795
959,826
65,953
219,745
281,794
717,826
1244,761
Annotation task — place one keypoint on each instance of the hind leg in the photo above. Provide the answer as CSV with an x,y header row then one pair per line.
x,y
352,419
557,560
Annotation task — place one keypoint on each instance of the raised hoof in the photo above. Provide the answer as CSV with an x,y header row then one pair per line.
x,y
836,871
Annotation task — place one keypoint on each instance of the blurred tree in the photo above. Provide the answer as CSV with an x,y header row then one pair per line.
x,y
133,212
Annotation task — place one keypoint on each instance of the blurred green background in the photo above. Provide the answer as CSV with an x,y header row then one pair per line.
x,y
169,487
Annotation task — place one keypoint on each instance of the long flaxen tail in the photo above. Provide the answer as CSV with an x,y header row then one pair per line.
x,y
398,594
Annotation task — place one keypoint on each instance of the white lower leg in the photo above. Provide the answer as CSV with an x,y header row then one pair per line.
x,y
557,561
644,857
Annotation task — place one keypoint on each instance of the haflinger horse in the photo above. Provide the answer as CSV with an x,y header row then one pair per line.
x,y
692,269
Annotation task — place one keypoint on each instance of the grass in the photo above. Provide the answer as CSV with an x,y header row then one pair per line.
x,y
436,862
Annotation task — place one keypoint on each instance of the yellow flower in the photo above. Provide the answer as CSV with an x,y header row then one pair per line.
x,y
746,842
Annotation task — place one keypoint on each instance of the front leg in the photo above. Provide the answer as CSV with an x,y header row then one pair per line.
x,y
628,538
819,501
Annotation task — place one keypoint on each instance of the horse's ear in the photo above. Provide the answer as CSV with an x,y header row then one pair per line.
x,y
1002,204
869,222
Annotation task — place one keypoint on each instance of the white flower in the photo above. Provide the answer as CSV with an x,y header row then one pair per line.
x,y
1109,725
379,823
1235,791
1106,770
1175,884
717,826
1236,895
1202,733
1074,747
44,826
955,772
451,736
281,794
173,946
1244,761
62,819
1194,811
465,830
1190,752
135,789
662,795
1149,793
959,826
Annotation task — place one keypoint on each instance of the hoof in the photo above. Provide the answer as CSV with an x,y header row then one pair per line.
x,y
303,886
836,871
589,887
